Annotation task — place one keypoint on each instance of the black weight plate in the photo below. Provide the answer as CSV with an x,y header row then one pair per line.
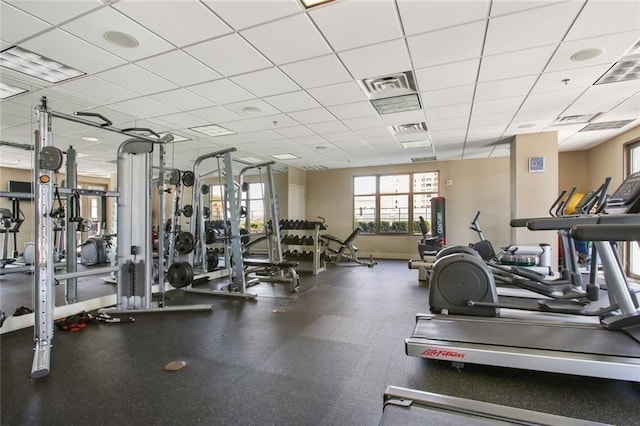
x,y
188,178
174,177
210,236
187,211
185,243
180,274
212,260
206,212
205,189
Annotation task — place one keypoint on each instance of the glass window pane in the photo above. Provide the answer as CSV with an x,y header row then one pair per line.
x,y
364,185
394,213
425,182
394,184
634,247
255,190
422,207
364,213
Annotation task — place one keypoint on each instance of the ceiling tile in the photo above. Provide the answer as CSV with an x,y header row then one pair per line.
x,y
145,107
16,25
614,46
216,114
316,115
515,64
497,120
363,122
228,55
621,15
447,112
440,126
181,120
276,121
239,17
449,75
275,40
449,96
294,132
294,101
182,99
448,45
377,60
169,18
534,27
243,126
504,88
221,91
578,77
423,16
97,88
306,74
239,108
91,27
509,104
342,138
502,7
353,110
603,97
179,68
353,24
327,127
267,82
136,79
72,51
55,12
547,105
406,117
337,94
262,135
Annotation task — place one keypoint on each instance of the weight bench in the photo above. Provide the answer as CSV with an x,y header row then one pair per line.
x,y
274,272
338,250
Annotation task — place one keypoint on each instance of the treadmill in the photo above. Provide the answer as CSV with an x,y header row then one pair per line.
x,y
609,349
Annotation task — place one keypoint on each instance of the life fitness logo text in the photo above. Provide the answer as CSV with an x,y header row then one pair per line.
x,y
441,353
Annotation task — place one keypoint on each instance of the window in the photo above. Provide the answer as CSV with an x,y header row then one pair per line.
x,y
392,204
633,260
252,201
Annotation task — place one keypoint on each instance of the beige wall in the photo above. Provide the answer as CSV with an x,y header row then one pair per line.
x,y
607,159
476,185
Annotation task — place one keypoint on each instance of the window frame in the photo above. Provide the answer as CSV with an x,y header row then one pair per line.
x,y
632,248
411,229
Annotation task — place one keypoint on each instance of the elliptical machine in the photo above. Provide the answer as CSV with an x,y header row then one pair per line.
x,y
462,283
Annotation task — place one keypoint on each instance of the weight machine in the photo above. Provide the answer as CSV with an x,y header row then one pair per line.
x,y
47,161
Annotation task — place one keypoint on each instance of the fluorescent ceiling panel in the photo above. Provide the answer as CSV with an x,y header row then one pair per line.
x,y
213,130
397,104
7,91
30,63
285,156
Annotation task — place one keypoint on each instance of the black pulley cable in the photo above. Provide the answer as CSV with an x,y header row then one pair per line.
x,y
59,211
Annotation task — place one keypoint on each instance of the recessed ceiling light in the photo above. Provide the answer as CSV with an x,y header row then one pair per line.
x,y
213,130
27,62
322,147
586,54
424,159
415,144
285,156
121,39
7,91
251,110
606,125
313,3
90,139
526,126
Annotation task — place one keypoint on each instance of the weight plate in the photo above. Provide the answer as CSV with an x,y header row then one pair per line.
x,y
205,189
180,274
187,211
188,178
244,236
206,212
185,243
212,260
174,177
210,236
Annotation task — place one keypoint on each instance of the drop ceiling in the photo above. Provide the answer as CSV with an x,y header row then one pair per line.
x,y
288,80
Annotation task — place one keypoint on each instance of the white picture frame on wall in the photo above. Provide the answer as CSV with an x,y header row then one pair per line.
x,y
536,164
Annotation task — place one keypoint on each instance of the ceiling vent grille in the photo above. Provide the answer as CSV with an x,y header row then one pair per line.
x,y
625,69
389,85
576,119
315,168
606,125
404,129
424,159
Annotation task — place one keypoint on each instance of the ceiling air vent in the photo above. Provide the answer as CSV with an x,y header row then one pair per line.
x,y
606,125
392,93
315,168
403,129
423,159
576,119
625,69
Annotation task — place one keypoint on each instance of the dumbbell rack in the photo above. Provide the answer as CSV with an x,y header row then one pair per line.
x,y
298,236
